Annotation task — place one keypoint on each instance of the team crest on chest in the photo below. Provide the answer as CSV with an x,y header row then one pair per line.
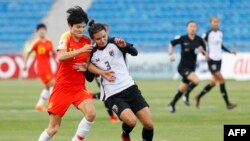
x,y
97,60
111,53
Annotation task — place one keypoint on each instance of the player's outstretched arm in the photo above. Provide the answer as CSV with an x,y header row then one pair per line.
x,y
26,58
227,50
126,47
170,52
203,51
63,55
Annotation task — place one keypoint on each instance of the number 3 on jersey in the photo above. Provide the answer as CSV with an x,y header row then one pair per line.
x,y
107,65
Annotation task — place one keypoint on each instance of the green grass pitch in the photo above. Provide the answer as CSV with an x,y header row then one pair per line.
x,y
19,122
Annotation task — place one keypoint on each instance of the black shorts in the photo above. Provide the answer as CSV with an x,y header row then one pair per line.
x,y
129,98
214,66
184,72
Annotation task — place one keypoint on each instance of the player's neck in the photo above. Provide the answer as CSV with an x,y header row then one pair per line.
x,y
76,39
191,36
42,38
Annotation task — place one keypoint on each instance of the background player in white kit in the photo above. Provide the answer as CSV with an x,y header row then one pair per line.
x,y
214,39
122,94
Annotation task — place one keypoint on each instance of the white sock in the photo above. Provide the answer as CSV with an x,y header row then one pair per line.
x,y
44,136
43,97
50,90
82,130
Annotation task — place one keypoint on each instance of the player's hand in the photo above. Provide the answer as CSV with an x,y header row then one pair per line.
x,y
109,75
234,52
207,56
120,42
80,67
172,58
86,48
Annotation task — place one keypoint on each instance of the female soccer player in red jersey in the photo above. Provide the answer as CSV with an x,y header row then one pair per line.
x,y
74,48
43,49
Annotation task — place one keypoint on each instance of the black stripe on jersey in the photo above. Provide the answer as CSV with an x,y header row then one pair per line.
x,y
206,35
104,95
206,38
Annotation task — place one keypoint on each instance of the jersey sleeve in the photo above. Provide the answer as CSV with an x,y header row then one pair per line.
x,y
63,41
205,36
176,41
130,49
202,43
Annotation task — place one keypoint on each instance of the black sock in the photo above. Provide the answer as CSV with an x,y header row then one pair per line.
x,y
191,86
205,90
176,97
109,110
147,134
224,93
97,95
126,129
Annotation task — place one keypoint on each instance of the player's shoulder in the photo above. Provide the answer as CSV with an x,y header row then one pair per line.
x,y
35,42
66,36
48,40
178,37
220,31
198,37
86,39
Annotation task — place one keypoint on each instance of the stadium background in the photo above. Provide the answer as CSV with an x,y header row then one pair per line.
x,y
150,25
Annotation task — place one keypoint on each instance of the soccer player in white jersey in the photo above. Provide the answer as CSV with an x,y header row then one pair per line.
x,y
122,94
214,39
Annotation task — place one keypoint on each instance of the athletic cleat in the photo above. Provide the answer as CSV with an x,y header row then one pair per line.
x,y
197,102
231,106
186,100
113,119
171,108
126,138
41,108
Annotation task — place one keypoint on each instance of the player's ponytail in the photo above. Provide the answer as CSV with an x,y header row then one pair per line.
x,y
96,27
92,22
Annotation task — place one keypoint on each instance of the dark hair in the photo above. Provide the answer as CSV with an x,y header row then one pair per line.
x,y
96,27
41,25
191,21
77,15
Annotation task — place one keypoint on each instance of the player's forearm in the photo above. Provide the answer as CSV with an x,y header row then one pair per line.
x,y
92,68
225,49
64,55
26,58
202,50
170,49
130,49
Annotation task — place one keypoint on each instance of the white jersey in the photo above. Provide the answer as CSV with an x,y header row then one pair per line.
x,y
214,44
112,58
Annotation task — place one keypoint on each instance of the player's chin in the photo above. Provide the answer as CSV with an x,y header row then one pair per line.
x,y
79,35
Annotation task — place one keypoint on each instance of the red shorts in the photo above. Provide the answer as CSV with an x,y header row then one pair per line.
x,y
65,95
45,76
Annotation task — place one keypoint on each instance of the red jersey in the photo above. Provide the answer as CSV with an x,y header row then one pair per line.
x,y
66,74
43,49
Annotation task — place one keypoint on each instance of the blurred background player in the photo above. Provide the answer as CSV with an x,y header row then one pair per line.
x,y
43,49
97,95
122,94
214,40
191,44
